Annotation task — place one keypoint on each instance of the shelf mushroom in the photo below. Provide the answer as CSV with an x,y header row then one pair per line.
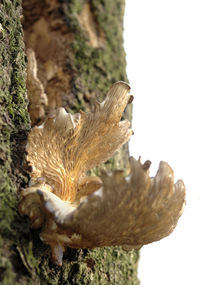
x,y
80,211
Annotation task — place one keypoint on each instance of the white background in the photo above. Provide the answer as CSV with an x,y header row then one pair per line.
x,y
162,42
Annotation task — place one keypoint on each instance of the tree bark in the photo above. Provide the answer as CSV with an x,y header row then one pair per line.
x,y
78,47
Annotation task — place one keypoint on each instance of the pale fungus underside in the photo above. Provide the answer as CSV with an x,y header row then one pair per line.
x,y
80,211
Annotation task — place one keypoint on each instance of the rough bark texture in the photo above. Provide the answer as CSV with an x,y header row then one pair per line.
x,y
79,52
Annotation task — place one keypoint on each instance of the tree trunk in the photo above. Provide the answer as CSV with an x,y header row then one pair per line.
x,y
79,51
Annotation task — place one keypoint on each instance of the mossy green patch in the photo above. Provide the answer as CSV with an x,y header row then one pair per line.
x,y
7,275
96,68
14,121
90,267
14,115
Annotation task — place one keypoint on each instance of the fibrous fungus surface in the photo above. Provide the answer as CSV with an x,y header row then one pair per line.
x,y
79,211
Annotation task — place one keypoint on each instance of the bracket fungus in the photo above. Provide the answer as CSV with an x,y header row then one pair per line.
x,y
80,211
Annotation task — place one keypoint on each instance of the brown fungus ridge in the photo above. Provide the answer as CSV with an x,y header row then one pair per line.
x,y
48,36
35,90
129,211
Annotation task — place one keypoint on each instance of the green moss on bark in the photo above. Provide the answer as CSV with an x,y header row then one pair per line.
x,y
98,266
95,69
14,124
